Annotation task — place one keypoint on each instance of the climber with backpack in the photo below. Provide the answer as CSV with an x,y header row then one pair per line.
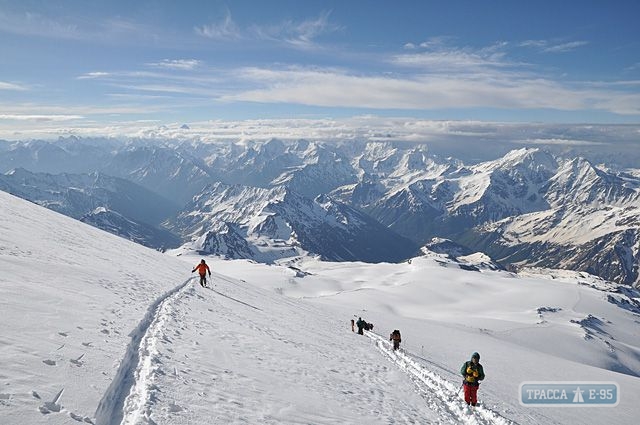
x,y
473,373
396,338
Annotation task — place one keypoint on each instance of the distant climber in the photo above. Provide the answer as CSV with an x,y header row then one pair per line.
x,y
396,338
473,373
353,323
202,269
360,324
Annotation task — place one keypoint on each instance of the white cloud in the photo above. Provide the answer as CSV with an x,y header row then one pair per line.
x,y
137,96
449,60
226,29
197,84
548,46
16,111
612,84
565,47
127,75
40,118
436,42
166,88
473,139
296,33
180,64
534,43
441,77
93,75
620,103
303,33
454,78
558,142
333,88
73,28
12,86
437,56
29,23
634,67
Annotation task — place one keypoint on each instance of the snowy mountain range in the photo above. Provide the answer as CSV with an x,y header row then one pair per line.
x,y
268,218
110,203
592,223
351,200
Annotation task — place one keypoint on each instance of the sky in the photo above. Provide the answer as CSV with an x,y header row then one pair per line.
x,y
91,64
110,332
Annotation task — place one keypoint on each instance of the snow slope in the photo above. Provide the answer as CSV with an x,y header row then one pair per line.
x,y
100,330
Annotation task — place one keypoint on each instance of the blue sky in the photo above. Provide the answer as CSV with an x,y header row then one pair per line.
x,y
91,63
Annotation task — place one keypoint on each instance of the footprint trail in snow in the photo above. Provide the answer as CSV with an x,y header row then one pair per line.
x,y
440,394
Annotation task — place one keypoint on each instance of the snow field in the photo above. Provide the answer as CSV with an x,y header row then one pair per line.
x,y
100,330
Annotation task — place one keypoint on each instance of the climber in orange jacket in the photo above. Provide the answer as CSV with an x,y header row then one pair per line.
x,y
202,269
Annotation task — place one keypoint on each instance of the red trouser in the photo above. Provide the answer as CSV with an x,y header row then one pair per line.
x,y
471,394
